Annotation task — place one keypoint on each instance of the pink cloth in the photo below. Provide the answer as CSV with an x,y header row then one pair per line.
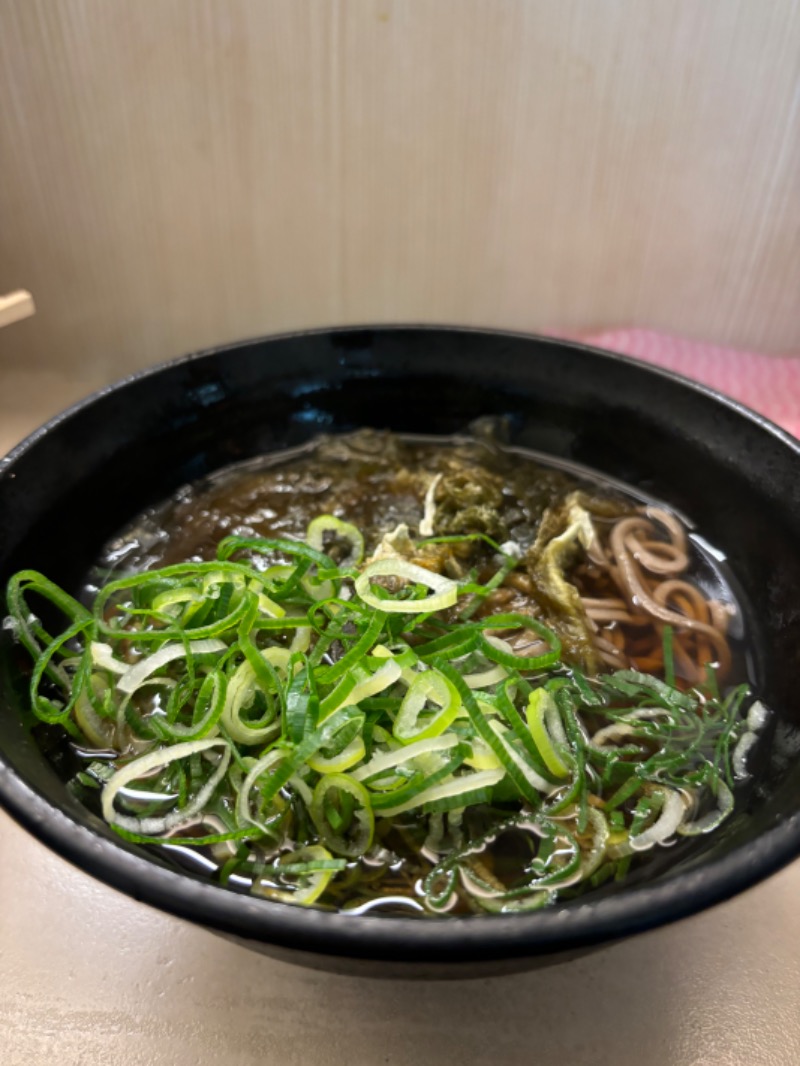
x,y
767,383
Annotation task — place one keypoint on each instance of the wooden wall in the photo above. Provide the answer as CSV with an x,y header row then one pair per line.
x,y
178,173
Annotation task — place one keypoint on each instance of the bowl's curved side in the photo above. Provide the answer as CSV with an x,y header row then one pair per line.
x,y
71,485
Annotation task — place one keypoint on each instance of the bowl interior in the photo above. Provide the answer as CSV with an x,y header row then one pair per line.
x,y
76,482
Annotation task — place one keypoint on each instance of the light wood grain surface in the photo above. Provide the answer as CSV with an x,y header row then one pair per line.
x,y
187,172
90,978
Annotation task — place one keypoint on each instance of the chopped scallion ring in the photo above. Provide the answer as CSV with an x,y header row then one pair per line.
x,y
444,590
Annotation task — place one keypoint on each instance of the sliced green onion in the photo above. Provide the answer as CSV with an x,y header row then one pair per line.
x,y
352,835
349,756
669,658
411,722
539,703
209,706
486,678
445,591
155,760
429,771
517,759
314,867
328,523
511,659
389,760
241,692
356,653
533,901
98,731
260,768
383,678
136,675
103,657
673,812
714,818
462,789
276,706
523,775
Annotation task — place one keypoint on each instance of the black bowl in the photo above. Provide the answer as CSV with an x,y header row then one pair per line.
x,y
76,481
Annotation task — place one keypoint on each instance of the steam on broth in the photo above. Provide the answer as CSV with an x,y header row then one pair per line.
x,y
402,675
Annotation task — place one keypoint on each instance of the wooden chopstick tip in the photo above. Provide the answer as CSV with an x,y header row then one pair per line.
x,y
15,306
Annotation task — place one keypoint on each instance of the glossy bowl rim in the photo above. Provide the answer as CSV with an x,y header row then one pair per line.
x,y
474,938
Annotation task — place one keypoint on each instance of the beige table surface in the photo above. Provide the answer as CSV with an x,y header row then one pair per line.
x,y
88,976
